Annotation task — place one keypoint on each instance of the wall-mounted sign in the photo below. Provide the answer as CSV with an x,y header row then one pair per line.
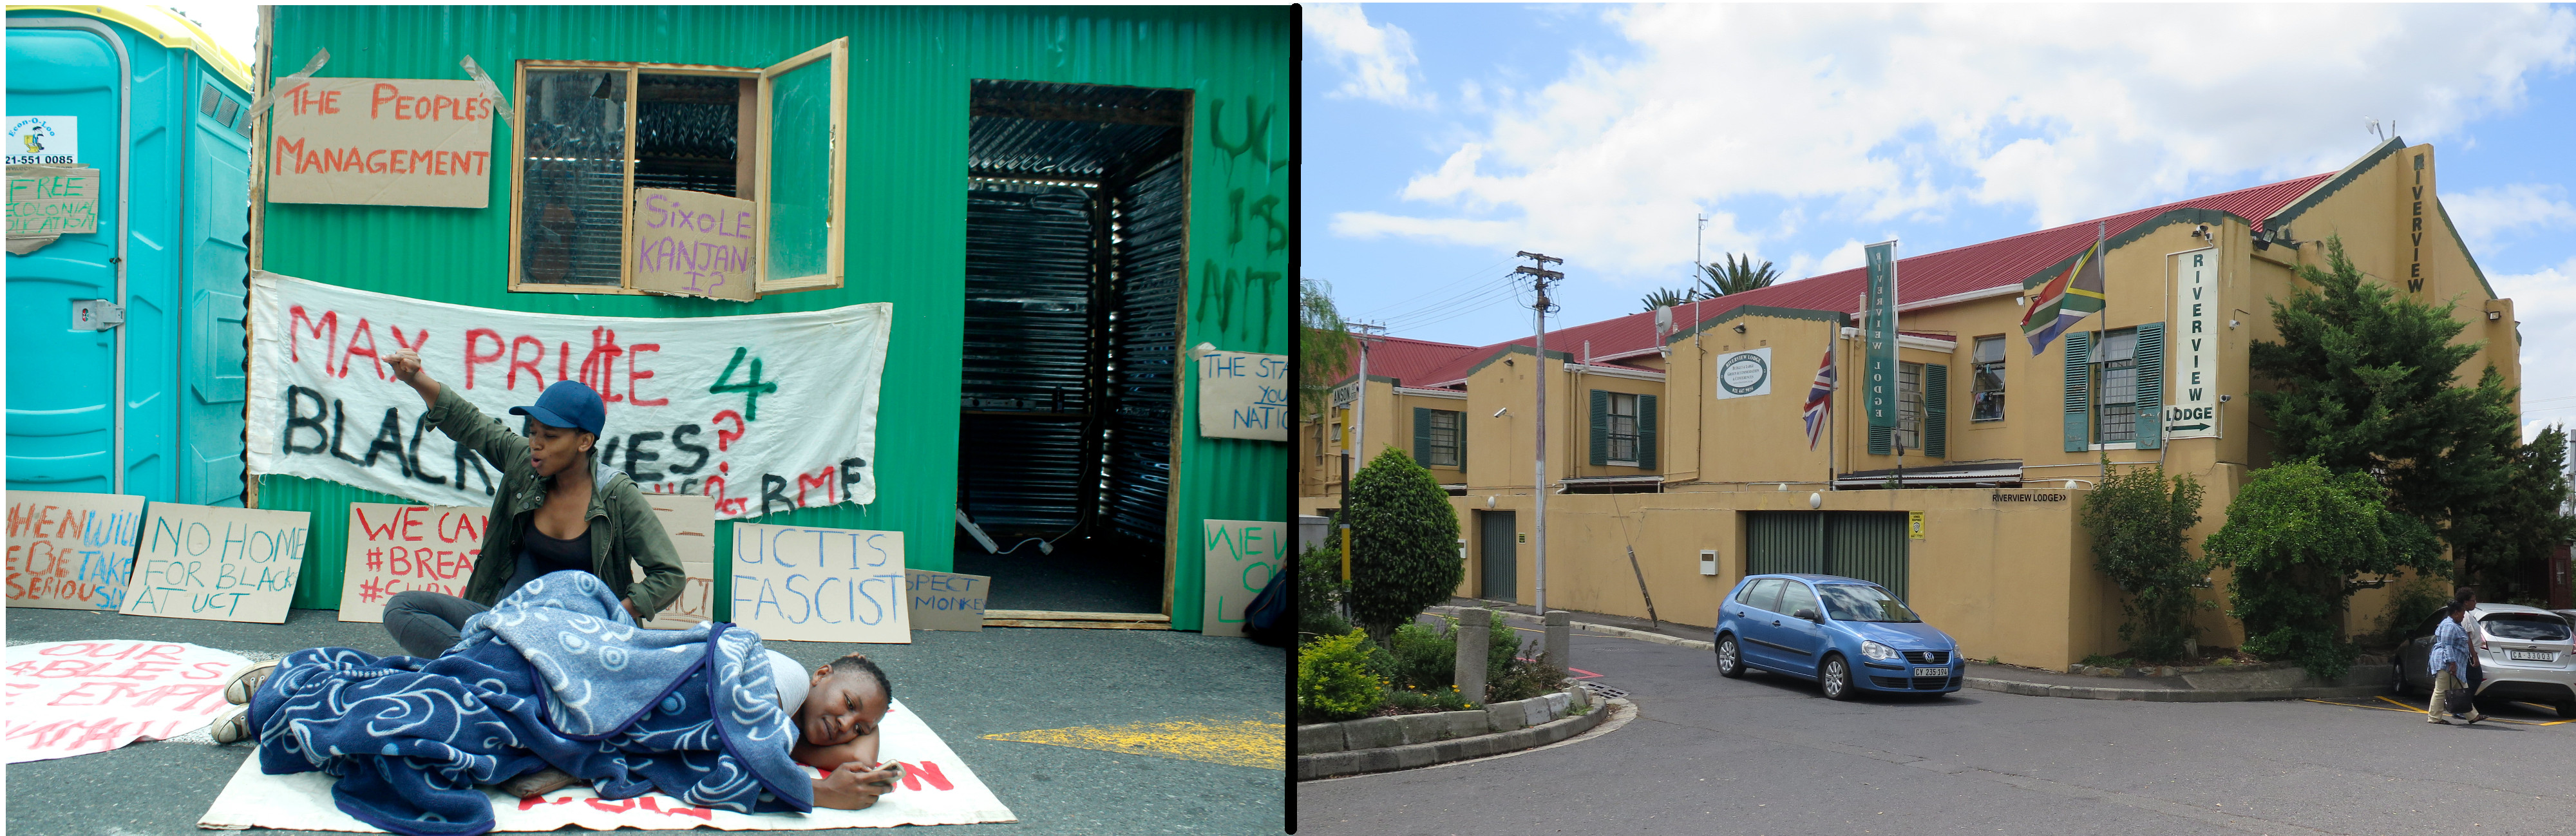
x,y
1241,394
693,244
1914,525
2192,342
44,140
1744,374
1878,305
382,141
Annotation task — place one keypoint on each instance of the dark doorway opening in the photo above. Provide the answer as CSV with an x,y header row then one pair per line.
x,y
1076,212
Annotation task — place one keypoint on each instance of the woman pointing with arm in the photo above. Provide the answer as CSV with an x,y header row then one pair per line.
x,y
555,509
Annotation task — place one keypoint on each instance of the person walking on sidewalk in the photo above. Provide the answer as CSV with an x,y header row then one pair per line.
x,y
557,509
2451,659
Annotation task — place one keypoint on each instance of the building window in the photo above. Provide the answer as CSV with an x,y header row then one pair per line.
x,y
1623,429
1337,433
591,134
1909,406
1442,447
1986,380
2115,365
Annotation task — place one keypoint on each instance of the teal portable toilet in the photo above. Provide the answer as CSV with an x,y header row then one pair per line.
x,y
152,406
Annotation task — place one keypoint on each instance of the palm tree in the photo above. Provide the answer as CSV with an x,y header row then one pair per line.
x,y
1665,297
1324,342
1734,275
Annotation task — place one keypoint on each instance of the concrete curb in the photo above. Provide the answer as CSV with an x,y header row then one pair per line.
x,y
1409,756
1595,629
2080,692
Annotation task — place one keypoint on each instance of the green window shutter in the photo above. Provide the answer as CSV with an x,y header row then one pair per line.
x,y
2151,386
1462,442
2079,392
1646,431
1422,436
1936,410
1882,440
1600,427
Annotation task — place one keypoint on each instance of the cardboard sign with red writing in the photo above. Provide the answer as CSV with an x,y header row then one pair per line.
x,y
382,141
402,548
74,698
71,551
690,521
217,564
693,244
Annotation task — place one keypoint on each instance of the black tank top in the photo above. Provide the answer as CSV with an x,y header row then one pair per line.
x,y
550,555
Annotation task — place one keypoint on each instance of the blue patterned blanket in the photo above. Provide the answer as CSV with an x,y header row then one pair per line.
x,y
556,674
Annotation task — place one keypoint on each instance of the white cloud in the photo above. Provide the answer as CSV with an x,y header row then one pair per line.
x,y
1865,114
2544,303
2483,215
1376,61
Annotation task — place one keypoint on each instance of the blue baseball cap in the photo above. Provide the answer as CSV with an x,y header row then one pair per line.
x,y
568,405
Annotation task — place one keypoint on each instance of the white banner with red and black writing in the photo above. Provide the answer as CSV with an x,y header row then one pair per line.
x,y
762,413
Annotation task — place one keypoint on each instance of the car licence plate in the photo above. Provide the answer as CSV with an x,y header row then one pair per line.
x,y
1931,671
2531,655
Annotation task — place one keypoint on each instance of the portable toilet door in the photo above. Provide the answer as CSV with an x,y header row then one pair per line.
x,y
124,345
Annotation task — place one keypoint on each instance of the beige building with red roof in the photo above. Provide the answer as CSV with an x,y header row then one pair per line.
x,y
1687,442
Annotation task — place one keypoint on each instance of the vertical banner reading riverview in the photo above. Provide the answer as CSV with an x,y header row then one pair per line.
x,y
761,414
383,141
1879,307
2193,345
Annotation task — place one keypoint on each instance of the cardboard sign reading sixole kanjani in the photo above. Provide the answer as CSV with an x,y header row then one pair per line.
x,y
217,564
71,551
405,548
78,697
382,141
693,244
690,522
1241,394
1241,555
946,600
820,584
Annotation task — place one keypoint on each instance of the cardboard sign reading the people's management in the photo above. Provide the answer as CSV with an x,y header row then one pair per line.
x,y
52,200
1241,555
78,697
820,584
217,564
71,551
693,244
946,600
1241,394
690,522
405,548
382,141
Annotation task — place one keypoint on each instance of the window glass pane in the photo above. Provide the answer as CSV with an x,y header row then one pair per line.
x,y
2118,345
206,99
1444,438
572,196
225,109
800,171
2535,628
1794,597
687,132
1853,602
1909,405
1990,349
1986,380
1764,593
2119,423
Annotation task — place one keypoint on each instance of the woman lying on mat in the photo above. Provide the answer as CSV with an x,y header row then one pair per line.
x,y
558,677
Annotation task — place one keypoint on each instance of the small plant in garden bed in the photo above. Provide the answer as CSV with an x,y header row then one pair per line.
x,y
2100,661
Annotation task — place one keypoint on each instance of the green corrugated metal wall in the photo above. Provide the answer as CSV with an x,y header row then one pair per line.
x,y
906,174
1869,545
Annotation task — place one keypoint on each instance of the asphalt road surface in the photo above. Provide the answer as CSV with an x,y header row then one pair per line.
x,y
1157,702
1770,755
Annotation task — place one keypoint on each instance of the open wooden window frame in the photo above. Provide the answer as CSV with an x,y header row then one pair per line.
x,y
752,177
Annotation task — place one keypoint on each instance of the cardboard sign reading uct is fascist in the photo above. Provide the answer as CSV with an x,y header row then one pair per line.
x,y
217,564
383,141
820,584
693,244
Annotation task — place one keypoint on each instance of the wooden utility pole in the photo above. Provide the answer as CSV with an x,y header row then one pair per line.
x,y
1539,277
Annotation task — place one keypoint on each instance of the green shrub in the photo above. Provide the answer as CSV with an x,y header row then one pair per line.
x,y
1445,698
1404,543
1426,659
1319,592
1335,680
2101,661
1502,645
1521,680
2412,603
2138,520
2301,540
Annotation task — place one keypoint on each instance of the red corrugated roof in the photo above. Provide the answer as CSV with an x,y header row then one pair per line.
x,y
1405,359
1999,263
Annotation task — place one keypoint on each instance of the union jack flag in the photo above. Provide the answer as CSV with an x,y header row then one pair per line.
x,y
1820,401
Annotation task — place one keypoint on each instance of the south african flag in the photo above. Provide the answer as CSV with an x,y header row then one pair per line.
x,y
2060,302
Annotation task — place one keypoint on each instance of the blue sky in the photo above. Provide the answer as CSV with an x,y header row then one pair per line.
x,y
1439,139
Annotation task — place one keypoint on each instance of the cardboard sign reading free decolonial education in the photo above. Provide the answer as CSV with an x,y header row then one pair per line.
x,y
382,141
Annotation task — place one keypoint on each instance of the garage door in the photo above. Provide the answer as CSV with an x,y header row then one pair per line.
x,y
1869,545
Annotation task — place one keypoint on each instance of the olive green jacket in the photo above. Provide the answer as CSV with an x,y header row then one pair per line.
x,y
621,519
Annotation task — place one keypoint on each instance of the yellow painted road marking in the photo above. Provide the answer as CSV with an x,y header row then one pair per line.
x,y
1233,741
2413,710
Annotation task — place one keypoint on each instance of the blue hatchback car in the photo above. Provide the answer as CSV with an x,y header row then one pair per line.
x,y
1847,634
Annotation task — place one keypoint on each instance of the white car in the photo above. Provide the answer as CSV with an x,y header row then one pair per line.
x,y
2526,653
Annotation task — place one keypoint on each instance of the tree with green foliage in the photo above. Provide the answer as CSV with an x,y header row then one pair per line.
x,y
2365,382
2302,539
1323,345
1734,274
1664,297
1404,543
1319,592
2139,520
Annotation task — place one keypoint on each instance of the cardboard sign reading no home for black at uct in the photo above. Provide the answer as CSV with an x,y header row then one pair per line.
x,y
218,564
